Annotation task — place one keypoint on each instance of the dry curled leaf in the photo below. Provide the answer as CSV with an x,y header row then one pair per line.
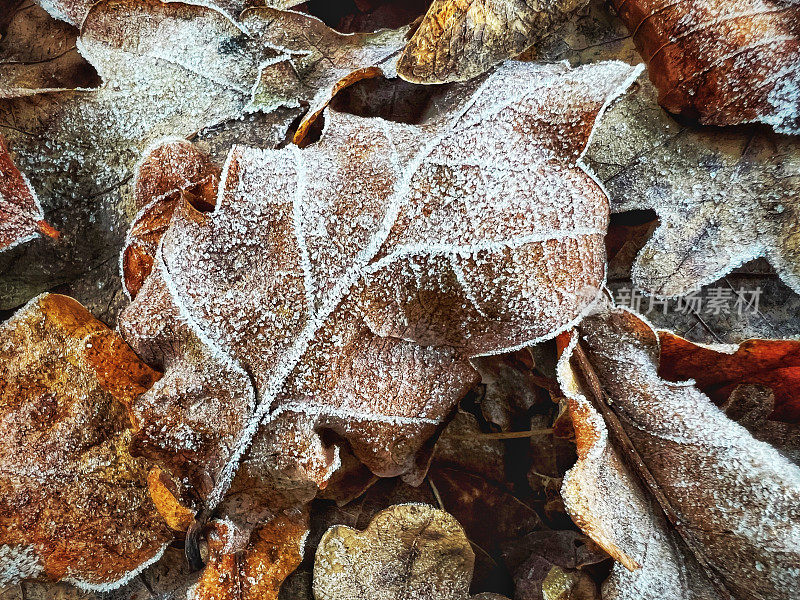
x,y
461,39
733,500
351,300
21,216
272,553
722,62
38,53
407,551
723,197
73,502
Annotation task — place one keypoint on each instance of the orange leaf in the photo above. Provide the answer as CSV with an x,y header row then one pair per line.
x,y
274,551
177,516
73,502
772,363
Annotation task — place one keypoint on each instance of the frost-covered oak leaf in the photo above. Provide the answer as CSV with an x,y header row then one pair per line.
x,y
343,286
722,62
21,215
722,197
273,552
461,39
73,502
407,551
736,499
38,53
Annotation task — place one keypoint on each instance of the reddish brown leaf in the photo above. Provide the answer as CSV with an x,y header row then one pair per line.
x,y
73,503
717,371
721,62
306,287
166,173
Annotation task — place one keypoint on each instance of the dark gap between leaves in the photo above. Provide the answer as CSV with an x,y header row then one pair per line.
x,y
354,16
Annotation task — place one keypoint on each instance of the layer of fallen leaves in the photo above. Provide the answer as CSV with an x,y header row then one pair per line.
x,y
338,284
311,297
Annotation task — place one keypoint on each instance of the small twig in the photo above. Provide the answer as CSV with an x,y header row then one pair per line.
x,y
506,435
436,494
477,546
635,462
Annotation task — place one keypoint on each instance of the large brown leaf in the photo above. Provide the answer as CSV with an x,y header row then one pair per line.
x,y
407,551
722,62
734,501
73,502
461,39
305,288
